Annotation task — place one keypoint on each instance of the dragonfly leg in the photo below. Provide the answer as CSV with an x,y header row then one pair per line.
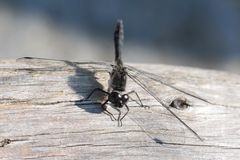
x,y
135,101
106,111
95,90
119,115
141,104
125,113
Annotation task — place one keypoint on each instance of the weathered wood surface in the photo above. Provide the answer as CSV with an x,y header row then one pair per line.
x,y
41,115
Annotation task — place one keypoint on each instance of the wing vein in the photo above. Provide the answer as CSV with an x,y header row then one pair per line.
x,y
135,79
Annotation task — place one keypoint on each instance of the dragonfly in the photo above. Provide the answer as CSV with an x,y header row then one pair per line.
x,y
118,81
117,95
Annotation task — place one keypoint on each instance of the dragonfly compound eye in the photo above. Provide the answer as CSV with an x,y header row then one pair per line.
x,y
125,98
119,96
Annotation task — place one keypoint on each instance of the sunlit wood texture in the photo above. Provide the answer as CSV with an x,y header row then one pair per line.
x,y
41,114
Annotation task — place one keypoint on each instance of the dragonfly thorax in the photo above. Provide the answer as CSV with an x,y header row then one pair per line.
x,y
118,79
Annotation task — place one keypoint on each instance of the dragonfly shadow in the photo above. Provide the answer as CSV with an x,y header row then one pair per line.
x,y
83,82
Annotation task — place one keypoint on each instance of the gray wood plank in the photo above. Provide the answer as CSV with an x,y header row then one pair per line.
x,y
41,115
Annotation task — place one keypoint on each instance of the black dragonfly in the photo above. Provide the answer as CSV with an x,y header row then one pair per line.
x,y
116,94
118,81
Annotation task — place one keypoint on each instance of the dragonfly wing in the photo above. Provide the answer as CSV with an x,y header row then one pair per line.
x,y
137,79
203,90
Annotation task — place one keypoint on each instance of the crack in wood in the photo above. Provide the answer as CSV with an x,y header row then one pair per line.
x,y
195,145
91,145
59,133
47,156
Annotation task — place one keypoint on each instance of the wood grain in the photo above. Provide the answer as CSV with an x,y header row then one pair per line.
x,y
41,115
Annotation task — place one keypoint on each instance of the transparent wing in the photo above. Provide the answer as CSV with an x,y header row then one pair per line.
x,y
185,91
139,76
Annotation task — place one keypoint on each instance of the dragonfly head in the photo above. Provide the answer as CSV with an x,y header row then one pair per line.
x,y
118,99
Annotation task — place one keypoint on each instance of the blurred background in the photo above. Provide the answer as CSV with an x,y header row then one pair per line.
x,y
201,33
